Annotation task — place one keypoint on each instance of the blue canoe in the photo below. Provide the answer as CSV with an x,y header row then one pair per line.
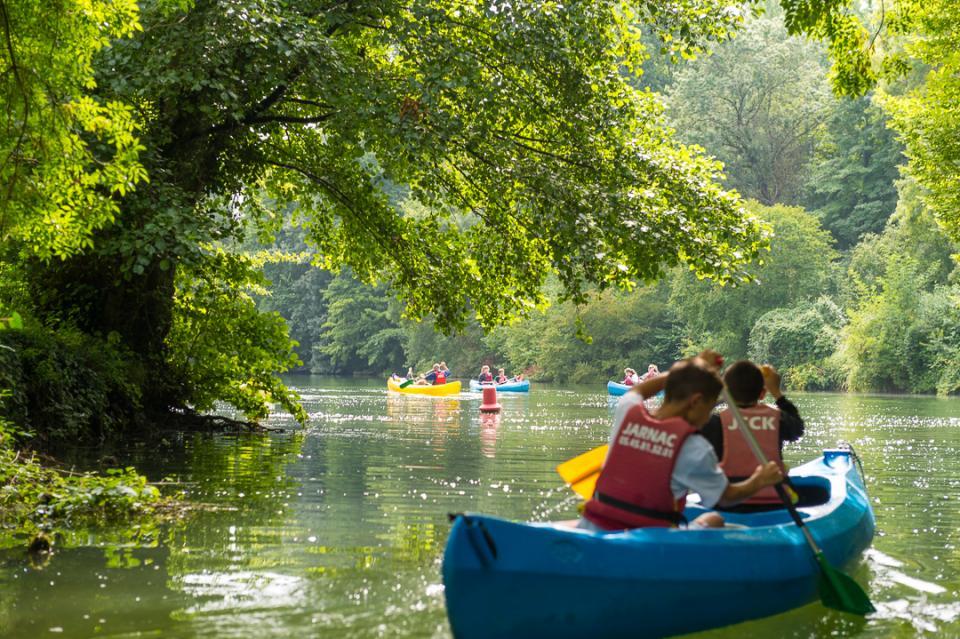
x,y
616,389
509,387
509,579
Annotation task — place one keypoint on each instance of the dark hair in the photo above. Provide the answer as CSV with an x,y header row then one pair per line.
x,y
689,377
745,382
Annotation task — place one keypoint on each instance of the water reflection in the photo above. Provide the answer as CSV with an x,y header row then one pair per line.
x,y
337,530
489,425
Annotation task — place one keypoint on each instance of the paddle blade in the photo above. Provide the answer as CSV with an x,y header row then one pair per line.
x,y
582,471
840,592
407,383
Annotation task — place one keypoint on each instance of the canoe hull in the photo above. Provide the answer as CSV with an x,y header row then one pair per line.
x,y
509,387
507,579
615,389
441,390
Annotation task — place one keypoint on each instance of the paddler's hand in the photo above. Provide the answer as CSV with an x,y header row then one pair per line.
x,y
771,380
769,474
711,358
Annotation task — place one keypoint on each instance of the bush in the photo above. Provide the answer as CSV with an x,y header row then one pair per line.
x,y
66,386
36,498
800,341
933,342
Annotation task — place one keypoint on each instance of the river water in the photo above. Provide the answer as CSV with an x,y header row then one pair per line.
x,y
337,529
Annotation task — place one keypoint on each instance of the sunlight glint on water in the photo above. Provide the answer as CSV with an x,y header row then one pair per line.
x,y
338,530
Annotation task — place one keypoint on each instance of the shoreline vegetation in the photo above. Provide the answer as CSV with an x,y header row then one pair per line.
x,y
40,500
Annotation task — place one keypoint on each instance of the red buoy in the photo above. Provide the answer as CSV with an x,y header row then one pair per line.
x,y
489,404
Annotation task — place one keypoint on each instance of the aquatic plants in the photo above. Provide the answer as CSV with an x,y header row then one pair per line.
x,y
36,498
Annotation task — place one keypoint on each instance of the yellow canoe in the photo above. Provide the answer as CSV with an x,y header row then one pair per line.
x,y
450,388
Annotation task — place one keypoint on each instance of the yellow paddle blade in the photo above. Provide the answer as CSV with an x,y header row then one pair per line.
x,y
581,472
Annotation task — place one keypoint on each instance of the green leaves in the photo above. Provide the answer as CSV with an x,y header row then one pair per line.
x,y
850,46
65,155
221,347
927,115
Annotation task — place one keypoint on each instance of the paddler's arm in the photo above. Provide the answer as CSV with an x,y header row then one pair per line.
x,y
650,387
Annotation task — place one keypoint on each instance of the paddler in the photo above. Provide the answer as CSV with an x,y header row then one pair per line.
x,y
656,459
771,425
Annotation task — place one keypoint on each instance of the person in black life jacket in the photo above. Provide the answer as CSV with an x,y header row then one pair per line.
x,y
770,425
655,459
485,376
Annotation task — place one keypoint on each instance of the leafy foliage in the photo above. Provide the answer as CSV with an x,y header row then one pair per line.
x,y
801,341
797,269
222,347
624,328
66,386
928,115
905,312
361,332
35,498
854,171
521,146
65,155
849,44
757,104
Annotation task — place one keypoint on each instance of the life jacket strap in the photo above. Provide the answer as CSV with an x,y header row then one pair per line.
x,y
674,518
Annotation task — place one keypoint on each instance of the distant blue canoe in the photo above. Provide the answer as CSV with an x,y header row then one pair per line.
x,y
616,390
510,387
508,579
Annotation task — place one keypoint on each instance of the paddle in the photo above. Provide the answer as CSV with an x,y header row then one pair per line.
x,y
582,471
837,590
407,383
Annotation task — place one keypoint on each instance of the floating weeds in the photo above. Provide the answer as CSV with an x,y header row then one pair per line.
x,y
39,502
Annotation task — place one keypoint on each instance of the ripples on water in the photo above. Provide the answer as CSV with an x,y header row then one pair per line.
x,y
337,530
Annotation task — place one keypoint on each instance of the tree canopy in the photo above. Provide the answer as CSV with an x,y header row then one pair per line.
x,y
523,148
64,156
757,104
463,154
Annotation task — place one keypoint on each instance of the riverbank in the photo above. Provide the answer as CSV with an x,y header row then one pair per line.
x,y
41,500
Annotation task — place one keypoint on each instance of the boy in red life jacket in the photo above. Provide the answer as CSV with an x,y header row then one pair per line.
x,y
485,376
656,459
770,425
501,377
629,377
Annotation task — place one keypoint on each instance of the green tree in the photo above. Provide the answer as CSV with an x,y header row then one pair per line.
x,y
518,116
928,115
625,329
874,345
362,333
757,104
797,269
855,166
66,155
903,304
800,341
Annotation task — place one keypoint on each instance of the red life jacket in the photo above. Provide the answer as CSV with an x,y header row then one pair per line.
x,y
486,377
738,461
502,379
633,490
629,381
441,378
